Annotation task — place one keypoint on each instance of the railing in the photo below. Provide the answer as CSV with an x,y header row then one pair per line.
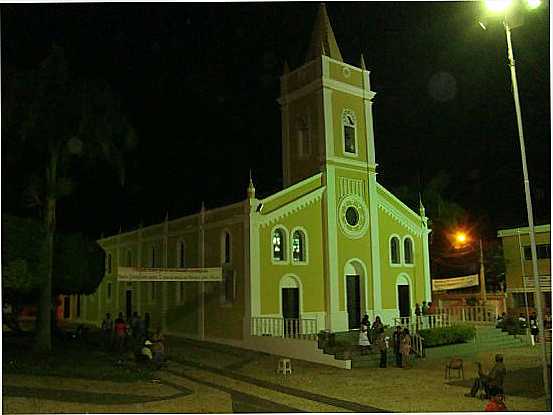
x,y
470,314
414,324
296,328
545,281
417,344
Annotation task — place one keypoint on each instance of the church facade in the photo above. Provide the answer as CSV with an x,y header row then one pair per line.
x,y
331,246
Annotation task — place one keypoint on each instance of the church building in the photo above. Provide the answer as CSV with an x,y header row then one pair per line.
x,y
271,273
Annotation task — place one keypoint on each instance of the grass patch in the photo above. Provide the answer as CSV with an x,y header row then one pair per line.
x,y
68,359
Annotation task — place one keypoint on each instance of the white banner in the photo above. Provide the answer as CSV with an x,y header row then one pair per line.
x,y
453,283
169,274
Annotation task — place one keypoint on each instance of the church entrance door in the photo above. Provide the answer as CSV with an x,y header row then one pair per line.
x,y
291,311
353,301
128,303
403,300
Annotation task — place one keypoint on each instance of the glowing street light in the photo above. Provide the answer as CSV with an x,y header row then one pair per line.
x,y
512,17
498,6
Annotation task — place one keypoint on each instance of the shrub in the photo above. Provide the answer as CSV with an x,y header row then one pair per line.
x,y
440,336
512,325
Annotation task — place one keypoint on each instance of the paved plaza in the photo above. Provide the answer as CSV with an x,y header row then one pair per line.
x,y
207,378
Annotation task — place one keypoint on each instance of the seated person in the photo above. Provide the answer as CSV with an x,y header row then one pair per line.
x,y
496,403
145,354
494,379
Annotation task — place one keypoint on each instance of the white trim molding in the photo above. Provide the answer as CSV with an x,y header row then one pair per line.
x,y
399,250
292,207
409,282
403,261
290,280
284,239
305,246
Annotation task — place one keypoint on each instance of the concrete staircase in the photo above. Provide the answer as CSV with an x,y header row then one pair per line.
x,y
488,338
346,348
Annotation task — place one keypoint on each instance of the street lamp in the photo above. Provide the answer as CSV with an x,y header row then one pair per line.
x,y
511,14
462,239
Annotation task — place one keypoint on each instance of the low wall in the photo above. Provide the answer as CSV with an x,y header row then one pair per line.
x,y
293,348
279,346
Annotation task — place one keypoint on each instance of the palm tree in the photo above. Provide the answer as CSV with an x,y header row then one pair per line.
x,y
53,119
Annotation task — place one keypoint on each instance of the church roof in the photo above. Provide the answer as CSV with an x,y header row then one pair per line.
x,y
323,41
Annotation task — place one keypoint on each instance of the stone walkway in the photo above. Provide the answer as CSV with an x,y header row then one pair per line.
x,y
209,378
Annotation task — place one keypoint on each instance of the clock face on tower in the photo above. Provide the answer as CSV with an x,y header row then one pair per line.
x,y
352,216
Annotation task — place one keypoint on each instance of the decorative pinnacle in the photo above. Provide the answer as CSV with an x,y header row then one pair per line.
x,y
362,64
286,68
251,188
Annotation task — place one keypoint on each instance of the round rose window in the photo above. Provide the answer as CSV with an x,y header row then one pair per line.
x,y
352,217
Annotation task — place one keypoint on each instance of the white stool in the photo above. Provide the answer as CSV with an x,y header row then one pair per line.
x,y
284,366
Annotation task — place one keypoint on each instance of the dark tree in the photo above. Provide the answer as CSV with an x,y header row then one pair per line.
x,y
57,126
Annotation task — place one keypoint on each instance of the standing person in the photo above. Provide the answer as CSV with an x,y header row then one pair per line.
x,y
377,325
107,331
431,312
120,333
397,345
147,324
382,346
497,401
425,317
136,331
158,347
405,348
417,316
534,328
364,335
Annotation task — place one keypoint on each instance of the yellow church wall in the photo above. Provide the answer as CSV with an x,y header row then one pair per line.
x,y
341,101
302,76
231,326
389,272
311,275
400,206
292,193
345,73
300,110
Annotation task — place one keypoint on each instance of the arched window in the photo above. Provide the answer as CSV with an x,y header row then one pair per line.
x,y
109,264
298,246
394,250
225,247
153,257
408,250
181,263
279,245
303,137
348,124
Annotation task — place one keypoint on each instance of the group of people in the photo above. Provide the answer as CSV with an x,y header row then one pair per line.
x,y
422,313
375,334
491,385
122,335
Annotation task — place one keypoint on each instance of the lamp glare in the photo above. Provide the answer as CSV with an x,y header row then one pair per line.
x,y
497,6
534,4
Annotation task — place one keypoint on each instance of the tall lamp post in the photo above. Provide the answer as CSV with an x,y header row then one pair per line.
x,y
513,19
461,239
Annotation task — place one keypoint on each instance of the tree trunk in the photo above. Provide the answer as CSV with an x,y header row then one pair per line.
x,y
43,341
44,314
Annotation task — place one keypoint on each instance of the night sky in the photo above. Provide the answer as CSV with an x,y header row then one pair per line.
x,y
199,83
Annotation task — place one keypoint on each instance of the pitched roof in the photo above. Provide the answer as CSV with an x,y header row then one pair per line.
x,y
323,41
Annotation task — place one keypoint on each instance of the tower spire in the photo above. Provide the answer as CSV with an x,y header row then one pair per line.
x,y
323,41
362,63
251,188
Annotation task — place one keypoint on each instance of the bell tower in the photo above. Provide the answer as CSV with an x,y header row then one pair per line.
x,y
327,126
325,109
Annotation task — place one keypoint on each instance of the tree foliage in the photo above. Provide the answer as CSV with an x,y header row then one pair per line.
x,y
59,125
78,262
